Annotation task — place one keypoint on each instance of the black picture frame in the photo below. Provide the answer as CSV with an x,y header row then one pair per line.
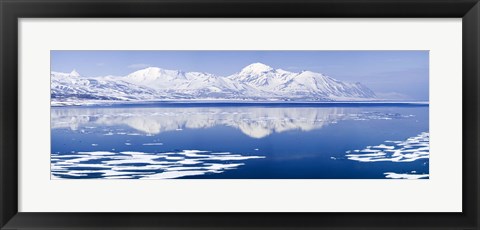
x,y
12,10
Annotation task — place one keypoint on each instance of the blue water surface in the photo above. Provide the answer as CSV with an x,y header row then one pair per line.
x,y
228,141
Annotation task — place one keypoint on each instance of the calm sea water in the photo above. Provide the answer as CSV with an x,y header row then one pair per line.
x,y
227,141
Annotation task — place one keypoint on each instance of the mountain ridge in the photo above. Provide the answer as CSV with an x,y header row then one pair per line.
x,y
255,82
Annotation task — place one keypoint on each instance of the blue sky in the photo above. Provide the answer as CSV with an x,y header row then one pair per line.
x,y
395,74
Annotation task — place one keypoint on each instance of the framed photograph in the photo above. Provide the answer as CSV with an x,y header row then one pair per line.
x,y
226,114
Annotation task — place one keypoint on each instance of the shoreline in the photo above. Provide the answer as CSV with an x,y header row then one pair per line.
x,y
207,103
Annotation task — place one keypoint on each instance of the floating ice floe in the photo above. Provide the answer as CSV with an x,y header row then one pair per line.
x,y
142,165
409,150
152,144
393,175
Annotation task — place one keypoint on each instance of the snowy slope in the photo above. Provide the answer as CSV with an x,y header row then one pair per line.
x,y
184,85
255,82
305,85
71,87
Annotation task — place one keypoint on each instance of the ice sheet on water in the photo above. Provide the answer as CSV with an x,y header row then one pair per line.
x,y
409,150
143,165
393,175
155,143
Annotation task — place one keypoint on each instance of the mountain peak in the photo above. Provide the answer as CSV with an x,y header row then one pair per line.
x,y
256,68
156,71
74,73
155,75
148,70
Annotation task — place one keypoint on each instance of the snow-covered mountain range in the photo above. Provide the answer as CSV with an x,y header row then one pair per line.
x,y
255,82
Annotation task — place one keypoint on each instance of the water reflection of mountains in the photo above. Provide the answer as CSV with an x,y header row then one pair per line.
x,y
256,122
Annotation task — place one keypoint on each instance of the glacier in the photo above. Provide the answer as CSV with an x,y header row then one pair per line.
x,y
255,82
